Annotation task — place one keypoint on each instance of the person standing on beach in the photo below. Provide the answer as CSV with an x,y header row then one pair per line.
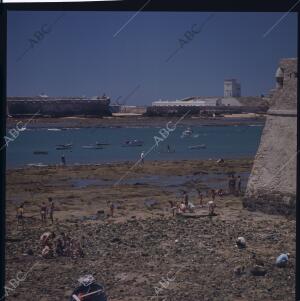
x,y
232,184
51,209
173,207
239,185
186,199
112,209
20,216
200,197
43,213
229,184
213,195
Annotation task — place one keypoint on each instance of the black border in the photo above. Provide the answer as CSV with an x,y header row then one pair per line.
x,y
132,5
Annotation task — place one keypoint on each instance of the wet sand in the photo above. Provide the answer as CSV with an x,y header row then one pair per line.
x,y
132,252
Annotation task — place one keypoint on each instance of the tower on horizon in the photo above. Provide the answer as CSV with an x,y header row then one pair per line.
x,y
232,88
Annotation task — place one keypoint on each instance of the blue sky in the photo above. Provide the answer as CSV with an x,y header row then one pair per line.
x,y
80,55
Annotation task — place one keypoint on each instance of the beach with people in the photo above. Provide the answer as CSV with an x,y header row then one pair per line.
x,y
152,231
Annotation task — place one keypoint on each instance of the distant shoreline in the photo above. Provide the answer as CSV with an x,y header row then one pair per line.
x,y
132,121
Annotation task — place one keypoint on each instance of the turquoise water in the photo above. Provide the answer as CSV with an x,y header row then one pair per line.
x,y
220,141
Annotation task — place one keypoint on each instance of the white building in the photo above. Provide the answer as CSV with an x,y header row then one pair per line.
x,y
232,88
198,102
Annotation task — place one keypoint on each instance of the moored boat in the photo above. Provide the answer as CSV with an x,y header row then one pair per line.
x,y
133,143
187,132
199,146
92,146
67,146
39,152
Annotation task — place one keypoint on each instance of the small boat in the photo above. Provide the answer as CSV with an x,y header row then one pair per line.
x,y
102,143
54,130
64,148
36,165
92,146
133,143
40,153
187,132
199,146
67,146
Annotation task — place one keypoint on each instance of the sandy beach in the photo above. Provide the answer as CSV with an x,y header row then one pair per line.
x,y
132,252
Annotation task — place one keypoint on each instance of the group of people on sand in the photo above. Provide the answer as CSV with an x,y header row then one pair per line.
x,y
63,245
235,185
186,206
45,211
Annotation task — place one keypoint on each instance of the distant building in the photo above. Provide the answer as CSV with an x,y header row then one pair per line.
x,y
232,88
198,102
44,105
207,106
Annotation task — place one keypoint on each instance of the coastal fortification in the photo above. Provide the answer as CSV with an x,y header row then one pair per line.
x,y
272,183
58,106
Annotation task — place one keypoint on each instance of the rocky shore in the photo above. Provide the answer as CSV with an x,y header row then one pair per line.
x,y
143,252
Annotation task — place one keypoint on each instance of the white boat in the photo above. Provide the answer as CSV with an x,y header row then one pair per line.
x,y
36,165
187,132
133,143
199,146
54,130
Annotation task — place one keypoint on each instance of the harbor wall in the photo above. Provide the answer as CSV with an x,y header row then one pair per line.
x,y
58,107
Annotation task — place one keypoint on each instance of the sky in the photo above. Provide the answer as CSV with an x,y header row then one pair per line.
x,y
156,55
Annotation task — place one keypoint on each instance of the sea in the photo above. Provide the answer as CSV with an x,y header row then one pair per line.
x,y
238,141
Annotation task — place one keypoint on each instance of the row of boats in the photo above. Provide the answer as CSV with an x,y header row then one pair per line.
x,y
128,143
97,145
100,145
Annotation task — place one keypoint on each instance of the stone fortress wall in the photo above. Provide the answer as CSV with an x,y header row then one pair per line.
x,y
272,183
57,106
